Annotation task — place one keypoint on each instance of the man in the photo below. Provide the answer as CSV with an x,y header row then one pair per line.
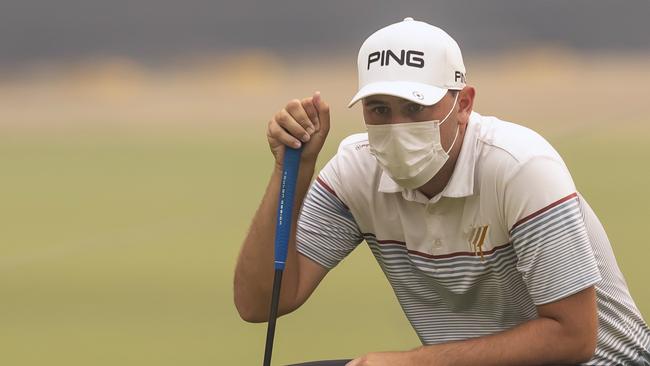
x,y
493,255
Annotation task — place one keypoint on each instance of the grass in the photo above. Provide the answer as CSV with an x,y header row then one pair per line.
x,y
120,250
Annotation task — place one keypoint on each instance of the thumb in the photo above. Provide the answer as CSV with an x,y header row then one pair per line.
x,y
323,112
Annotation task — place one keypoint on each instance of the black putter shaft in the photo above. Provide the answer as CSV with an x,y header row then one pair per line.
x,y
270,332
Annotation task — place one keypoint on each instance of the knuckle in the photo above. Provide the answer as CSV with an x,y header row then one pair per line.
x,y
276,129
270,126
271,132
284,119
279,115
293,104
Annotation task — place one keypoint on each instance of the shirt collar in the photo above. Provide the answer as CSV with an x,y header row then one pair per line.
x,y
461,183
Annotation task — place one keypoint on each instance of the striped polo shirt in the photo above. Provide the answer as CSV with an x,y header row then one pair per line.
x,y
509,232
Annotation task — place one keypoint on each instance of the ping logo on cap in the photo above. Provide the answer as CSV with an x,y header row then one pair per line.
x,y
411,58
459,76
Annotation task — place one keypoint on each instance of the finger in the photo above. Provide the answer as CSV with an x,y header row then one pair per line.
x,y
276,132
312,113
299,114
286,121
323,112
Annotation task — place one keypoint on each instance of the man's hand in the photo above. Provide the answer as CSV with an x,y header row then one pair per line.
x,y
305,121
253,280
386,359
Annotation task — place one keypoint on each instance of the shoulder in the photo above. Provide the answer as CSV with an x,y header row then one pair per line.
x,y
518,170
353,143
353,168
506,147
519,142
353,155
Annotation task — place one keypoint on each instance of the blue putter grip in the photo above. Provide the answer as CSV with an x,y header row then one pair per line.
x,y
290,166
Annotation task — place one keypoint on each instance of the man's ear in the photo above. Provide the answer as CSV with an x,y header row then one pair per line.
x,y
466,103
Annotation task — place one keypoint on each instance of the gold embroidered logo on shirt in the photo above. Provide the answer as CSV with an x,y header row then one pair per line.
x,y
476,238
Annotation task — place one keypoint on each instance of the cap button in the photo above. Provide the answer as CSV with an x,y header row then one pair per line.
x,y
408,19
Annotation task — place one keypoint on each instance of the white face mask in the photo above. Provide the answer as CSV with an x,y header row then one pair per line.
x,y
410,153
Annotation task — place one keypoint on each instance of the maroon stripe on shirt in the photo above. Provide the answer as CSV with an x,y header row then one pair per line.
x,y
431,256
541,211
324,185
330,190
458,254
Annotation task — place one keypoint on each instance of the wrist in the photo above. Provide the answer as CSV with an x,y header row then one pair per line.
x,y
308,163
305,171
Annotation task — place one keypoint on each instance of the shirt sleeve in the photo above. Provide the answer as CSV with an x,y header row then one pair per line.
x,y
327,231
548,233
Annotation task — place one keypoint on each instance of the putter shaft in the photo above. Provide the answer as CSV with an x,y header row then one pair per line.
x,y
270,332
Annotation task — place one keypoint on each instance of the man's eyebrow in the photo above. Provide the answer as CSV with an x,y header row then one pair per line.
x,y
374,102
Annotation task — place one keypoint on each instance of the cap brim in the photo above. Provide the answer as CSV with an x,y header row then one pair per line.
x,y
416,92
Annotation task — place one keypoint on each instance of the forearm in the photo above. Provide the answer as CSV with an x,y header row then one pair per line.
x,y
255,264
541,341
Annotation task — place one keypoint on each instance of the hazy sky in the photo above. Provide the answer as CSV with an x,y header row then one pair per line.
x,y
152,30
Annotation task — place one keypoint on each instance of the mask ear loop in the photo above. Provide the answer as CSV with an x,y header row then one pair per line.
x,y
451,110
457,127
453,142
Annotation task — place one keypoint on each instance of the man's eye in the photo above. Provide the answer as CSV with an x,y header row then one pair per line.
x,y
415,108
380,110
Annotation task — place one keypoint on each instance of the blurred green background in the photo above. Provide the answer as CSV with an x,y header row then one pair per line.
x,y
120,250
129,175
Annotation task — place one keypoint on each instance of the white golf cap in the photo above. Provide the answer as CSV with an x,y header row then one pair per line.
x,y
412,60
